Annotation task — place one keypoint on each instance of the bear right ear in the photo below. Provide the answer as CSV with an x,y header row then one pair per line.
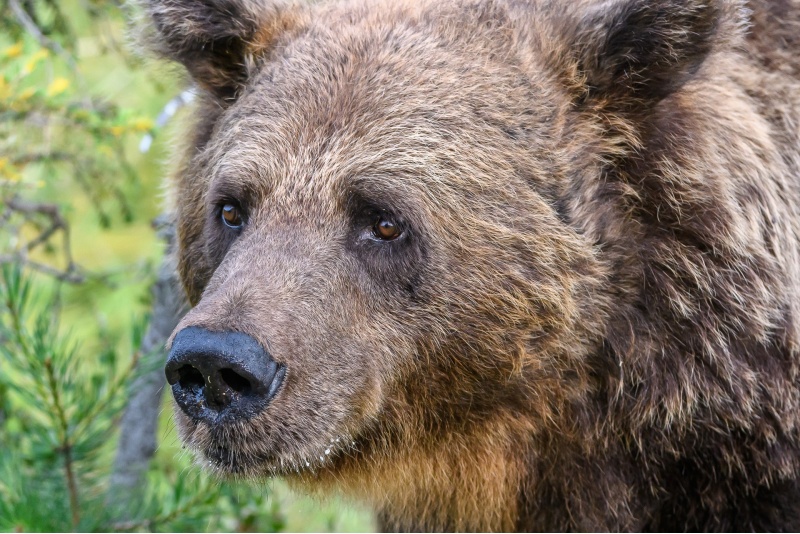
x,y
218,40
638,51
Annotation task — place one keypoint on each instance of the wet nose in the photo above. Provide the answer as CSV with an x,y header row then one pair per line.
x,y
221,376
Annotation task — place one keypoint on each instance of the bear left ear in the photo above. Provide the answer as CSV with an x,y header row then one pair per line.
x,y
218,40
646,49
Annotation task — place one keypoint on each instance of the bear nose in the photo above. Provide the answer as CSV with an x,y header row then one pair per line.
x,y
221,376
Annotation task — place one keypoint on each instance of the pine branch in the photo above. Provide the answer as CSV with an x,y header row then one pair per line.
x,y
65,445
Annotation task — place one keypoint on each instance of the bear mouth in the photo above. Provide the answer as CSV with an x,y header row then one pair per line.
x,y
226,460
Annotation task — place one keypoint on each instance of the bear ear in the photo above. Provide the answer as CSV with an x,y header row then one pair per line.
x,y
646,49
217,40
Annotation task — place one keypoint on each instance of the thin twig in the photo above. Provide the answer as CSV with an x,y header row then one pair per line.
x,y
51,211
71,275
33,157
56,223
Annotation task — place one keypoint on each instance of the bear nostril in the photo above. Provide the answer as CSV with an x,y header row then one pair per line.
x,y
235,381
221,377
190,379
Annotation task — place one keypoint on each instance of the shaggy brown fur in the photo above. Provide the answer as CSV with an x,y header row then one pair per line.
x,y
591,319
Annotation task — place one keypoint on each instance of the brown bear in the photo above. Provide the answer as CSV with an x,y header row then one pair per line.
x,y
495,264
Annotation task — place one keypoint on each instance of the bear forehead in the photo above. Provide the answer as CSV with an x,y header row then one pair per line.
x,y
365,97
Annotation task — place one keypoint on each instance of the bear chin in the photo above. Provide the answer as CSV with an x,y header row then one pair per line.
x,y
221,450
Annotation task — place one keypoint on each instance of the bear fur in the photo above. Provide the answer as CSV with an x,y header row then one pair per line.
x,y
590,320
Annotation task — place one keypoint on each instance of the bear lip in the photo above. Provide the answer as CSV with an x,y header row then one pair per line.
x,y
227,458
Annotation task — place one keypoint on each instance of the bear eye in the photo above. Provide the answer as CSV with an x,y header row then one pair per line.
x,y
385,228
232,216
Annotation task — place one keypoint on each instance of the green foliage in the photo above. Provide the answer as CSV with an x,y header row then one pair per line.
x,y
58,416
59,413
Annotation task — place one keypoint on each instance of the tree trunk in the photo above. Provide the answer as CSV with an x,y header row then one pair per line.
x,y
139,424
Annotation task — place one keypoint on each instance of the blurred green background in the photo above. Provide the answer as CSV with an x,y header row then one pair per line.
x,y
76,100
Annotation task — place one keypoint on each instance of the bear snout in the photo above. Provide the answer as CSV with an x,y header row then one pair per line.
x,y
221,377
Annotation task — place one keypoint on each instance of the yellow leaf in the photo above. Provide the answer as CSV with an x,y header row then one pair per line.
x,y
8,172
13,51
26,94
142,124
57,86
34,60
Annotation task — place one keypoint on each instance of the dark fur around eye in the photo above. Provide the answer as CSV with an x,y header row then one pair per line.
x,y
223,227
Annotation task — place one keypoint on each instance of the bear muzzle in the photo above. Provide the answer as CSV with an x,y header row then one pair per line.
x,y
221,377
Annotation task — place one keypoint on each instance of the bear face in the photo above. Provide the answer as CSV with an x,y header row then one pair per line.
x,y
318,165
473,261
